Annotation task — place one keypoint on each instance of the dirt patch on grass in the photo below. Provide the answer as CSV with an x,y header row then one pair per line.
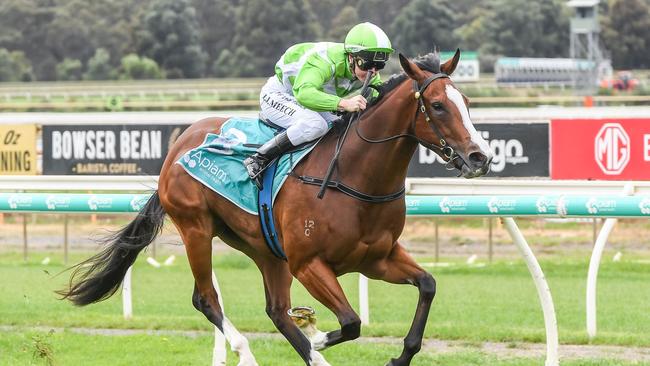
x,y
430,346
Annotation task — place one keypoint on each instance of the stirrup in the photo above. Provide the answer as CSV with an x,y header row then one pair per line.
x,y
255,166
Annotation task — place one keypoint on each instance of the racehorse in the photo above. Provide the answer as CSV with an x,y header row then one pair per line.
x,y
354,230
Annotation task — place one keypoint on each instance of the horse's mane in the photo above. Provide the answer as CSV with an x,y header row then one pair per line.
x,y
429,62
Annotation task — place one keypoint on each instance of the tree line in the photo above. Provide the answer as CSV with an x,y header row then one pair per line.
x,y
149,39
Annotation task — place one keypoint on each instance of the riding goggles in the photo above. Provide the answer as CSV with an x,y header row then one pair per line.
x,y
367,65
367,60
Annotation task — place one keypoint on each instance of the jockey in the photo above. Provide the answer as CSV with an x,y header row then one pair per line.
x,y
311,82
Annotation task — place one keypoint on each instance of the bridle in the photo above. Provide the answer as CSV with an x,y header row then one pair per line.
x,y
444,148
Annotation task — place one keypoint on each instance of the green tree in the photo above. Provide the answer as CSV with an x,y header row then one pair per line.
x,y
48,31
14,66
170,36
68,37
342,23
24,27
266,28
229,64
521,28
216,19
626,33
423,24
99,66
135,67
110,24
381,12
324,12
222,66
69,69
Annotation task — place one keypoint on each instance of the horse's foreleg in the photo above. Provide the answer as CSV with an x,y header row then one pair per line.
x,y
319,279
277,286
400,268
198,244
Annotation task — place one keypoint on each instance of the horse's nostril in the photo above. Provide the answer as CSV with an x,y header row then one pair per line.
x,y
477,159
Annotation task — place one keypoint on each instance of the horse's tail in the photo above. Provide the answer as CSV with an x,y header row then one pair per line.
x,y
99,277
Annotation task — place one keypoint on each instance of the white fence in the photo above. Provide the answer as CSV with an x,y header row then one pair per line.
x,y
414,186
440,187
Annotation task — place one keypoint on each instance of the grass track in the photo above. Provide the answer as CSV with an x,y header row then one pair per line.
x,y
474,304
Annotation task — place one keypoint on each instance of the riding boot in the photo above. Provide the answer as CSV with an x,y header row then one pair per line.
x,y
256,163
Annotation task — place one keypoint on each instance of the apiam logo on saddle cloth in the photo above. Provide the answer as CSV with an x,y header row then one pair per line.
x,y
217,162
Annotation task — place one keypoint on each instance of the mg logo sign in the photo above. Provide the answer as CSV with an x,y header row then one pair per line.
x,y
612,148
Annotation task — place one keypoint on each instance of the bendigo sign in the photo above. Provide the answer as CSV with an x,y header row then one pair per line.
x,y
520,150
610,149
107,149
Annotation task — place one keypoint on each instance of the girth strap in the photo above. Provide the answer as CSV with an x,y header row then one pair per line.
x,y
351,191
265,209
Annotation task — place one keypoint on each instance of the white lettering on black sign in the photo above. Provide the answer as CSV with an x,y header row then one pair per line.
x,y
519,150
101,145
505,152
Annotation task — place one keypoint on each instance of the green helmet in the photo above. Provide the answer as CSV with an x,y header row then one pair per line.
x,y
367,37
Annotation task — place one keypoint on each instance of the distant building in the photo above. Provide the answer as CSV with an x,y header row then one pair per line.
x,y
553,71
585,45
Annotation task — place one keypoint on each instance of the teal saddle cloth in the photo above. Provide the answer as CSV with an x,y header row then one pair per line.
x,y
218,161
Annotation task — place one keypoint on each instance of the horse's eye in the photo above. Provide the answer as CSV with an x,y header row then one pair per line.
x,y
437,106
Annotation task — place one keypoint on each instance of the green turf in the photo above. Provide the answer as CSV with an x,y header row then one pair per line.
x,y
492,303
497,302
68,348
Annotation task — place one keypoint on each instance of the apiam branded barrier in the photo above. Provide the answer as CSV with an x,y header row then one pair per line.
x,y
506,207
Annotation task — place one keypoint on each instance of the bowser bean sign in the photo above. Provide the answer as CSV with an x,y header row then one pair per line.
x,y
609,149
107,149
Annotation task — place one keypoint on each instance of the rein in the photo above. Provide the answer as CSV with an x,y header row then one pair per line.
x,y
444,148
334,163
327,183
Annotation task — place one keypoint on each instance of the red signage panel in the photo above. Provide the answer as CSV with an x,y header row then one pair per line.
x,y
606,149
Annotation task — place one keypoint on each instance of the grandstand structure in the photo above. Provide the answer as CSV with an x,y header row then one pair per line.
x,y
547,71
583,70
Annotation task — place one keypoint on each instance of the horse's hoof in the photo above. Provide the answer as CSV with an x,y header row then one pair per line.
x,y
392,362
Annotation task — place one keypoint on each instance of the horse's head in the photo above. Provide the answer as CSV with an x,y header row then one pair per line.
x,y
442,122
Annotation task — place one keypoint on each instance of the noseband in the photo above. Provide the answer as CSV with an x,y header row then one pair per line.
x,y
446,150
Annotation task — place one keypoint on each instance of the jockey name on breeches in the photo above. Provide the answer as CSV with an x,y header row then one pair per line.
x,y
281,108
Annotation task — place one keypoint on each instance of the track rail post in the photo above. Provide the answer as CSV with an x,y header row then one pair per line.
x,y
543,291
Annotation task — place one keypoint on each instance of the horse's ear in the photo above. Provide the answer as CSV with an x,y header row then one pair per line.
x,y
410,68
449,66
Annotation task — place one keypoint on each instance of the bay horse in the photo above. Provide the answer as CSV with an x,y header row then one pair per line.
x,y
322,238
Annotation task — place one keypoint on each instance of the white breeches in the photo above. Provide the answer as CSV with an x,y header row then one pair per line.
x,y
282,108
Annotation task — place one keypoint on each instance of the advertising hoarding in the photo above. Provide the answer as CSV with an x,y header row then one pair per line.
x,y
606,149
107,149
18,149
520,150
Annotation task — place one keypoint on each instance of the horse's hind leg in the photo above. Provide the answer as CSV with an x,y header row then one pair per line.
x,y
277,285
197,238
400,268
238,343
319,279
